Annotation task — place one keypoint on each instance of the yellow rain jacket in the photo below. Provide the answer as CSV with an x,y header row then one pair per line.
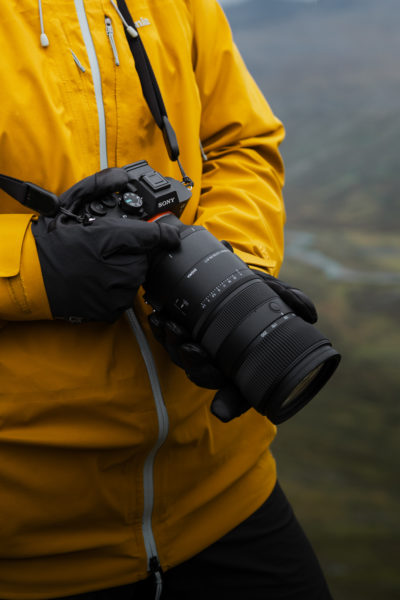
x,y
86,495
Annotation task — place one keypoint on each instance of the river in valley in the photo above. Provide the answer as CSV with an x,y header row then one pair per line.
x,y
301,246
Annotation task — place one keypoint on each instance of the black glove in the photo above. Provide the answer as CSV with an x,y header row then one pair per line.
x,y
198,366
228,402
301,304
92,272
94,187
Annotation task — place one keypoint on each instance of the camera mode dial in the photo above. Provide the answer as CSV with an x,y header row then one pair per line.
x,y
131,204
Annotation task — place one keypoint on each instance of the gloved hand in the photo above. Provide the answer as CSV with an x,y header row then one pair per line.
x,y
301,304
195,361
92,272
94,187
228,402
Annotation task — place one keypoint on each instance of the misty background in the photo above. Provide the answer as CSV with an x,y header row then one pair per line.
x,y
331,71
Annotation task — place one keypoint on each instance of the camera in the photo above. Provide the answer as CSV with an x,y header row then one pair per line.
x,y
147,195
278,361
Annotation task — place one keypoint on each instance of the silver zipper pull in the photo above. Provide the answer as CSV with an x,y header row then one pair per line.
x,y
77,61
110,35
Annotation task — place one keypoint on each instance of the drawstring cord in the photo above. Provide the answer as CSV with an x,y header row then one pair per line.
x,y
132,32
44,40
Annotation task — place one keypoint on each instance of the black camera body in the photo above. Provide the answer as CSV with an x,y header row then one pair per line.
x,y
277,360
147,194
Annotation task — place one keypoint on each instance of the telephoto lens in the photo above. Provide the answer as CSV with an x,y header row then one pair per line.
x,y
278,361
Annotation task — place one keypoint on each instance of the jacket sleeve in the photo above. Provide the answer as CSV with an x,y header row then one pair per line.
x,y
241,199
22,293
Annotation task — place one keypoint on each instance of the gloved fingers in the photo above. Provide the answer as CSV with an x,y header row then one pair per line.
x,y
185,353
177,342
198,366
206,376
193,355
157,326
165,330
228,403
301,304
169,334
169,236
131,236
175,334
94,186
174,337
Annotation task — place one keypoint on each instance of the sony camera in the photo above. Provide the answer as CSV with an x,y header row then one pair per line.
x,y
278,361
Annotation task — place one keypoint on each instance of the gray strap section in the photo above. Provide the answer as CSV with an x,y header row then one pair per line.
x,y
163,427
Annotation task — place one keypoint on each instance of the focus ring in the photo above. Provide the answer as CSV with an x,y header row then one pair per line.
x,y
268,359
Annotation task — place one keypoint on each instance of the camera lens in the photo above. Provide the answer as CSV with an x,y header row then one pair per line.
x,y
277,360
301,387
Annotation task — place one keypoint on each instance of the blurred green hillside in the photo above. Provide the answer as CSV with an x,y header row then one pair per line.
x,y
330,71
338,459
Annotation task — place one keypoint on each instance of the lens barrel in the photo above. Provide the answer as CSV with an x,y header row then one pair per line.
x,y
277,360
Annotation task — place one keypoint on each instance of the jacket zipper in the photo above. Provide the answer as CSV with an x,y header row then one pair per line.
x,y
110,35
95,69
153,563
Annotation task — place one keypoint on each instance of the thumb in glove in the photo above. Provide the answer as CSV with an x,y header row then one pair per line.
x,y
94,187
229,403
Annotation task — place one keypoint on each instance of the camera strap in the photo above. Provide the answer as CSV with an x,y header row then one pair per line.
x,y
33,196
45,202
150,88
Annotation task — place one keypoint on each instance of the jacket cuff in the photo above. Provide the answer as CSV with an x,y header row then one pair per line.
x,y
257,262
22,292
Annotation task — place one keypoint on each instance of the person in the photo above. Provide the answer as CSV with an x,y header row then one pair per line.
x,y
105,493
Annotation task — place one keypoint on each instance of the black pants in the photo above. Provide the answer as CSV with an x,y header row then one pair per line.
x,y
267,557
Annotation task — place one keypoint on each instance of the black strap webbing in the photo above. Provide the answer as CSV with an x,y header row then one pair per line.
x,y
42,201
148,81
